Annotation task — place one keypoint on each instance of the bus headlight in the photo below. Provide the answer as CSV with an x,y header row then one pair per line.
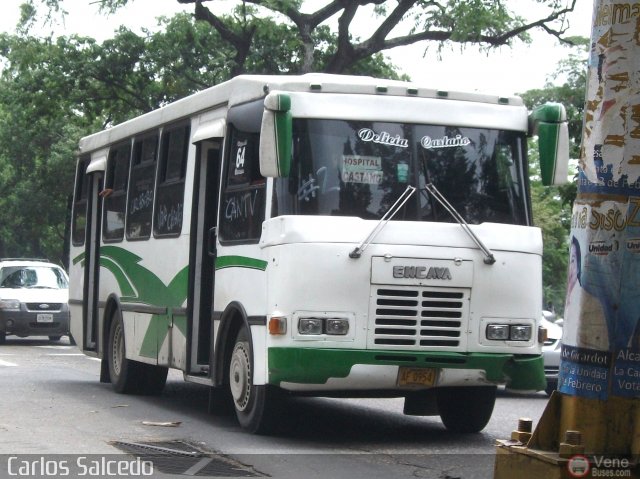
x,y
338,327
520,332
310,326
328,326
509,332
498,332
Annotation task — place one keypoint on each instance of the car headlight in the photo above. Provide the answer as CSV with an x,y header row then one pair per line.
x,y
9,305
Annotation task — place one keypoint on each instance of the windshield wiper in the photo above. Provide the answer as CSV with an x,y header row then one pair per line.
x,y
488,255
391,212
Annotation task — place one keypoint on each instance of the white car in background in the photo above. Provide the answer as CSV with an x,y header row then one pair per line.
x,y
551,349
34,296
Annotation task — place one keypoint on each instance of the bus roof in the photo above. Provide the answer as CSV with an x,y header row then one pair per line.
x,y
244,88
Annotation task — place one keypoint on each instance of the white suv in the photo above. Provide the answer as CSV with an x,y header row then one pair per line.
x,y
34,296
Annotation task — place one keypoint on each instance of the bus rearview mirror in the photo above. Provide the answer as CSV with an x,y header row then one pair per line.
x,y
276,136
549,122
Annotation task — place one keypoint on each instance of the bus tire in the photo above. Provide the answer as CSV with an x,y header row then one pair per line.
x,y
128,376
254,405
122,371
220,402
466,409
153,379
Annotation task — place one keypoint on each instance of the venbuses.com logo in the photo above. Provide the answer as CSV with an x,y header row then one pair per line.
x,y
599,466
578,466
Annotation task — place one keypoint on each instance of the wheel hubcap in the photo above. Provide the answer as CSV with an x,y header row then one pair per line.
x,y
240,376
117,350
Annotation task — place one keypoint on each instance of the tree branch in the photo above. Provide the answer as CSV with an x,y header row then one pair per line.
x,y
348,53
542,23
378,38
377,43
242,43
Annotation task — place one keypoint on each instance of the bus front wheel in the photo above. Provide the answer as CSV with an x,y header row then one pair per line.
x,y
128,376
466,409
254,404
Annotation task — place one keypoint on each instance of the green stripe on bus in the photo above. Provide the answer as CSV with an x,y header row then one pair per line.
x,y
139,285
79,259
240,262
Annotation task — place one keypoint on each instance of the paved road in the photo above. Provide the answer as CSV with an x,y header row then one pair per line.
x,y
53,405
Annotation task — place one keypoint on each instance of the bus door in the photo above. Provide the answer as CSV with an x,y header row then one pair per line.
x,y
92,262
203,252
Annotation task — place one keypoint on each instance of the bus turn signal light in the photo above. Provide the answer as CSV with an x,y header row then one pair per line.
x,y
277,325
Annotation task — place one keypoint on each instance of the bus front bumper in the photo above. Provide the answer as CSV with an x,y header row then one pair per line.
x,y
306,369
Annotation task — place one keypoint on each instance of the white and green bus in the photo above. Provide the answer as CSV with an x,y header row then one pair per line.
x,y
316,235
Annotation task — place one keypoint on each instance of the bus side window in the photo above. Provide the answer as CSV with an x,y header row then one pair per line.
x,y
141,185
243,203
79,225
167,220
115,192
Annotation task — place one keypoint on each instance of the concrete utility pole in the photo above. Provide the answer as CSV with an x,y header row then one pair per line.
x,y
591,426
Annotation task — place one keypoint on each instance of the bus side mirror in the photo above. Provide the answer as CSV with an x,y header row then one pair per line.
x,y
549,122
276,136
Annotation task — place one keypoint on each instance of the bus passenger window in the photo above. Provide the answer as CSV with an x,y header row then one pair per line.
x,y
243,202
116,185
80,203
143,178
171,174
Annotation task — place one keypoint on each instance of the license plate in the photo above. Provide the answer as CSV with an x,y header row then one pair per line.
x,y
44,318
417,376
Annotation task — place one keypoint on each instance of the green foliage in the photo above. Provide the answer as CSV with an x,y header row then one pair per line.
x,y
567,86
276,49
55,90
488,23
39,128
470,20
553,216
552,205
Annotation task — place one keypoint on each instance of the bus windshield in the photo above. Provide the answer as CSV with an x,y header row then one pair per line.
x,y
359,168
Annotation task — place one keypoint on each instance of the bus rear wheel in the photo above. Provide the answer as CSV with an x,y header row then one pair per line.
x,y
466,409
128,376
254,404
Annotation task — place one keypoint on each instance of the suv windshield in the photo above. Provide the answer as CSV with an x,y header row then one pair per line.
x,y
359,168
45,277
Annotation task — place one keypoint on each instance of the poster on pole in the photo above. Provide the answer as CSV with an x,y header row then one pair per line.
x,y
601,339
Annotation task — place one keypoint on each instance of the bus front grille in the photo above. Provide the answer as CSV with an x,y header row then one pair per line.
x,y
419,318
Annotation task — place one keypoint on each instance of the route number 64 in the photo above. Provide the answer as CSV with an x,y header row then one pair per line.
x,y
240,156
